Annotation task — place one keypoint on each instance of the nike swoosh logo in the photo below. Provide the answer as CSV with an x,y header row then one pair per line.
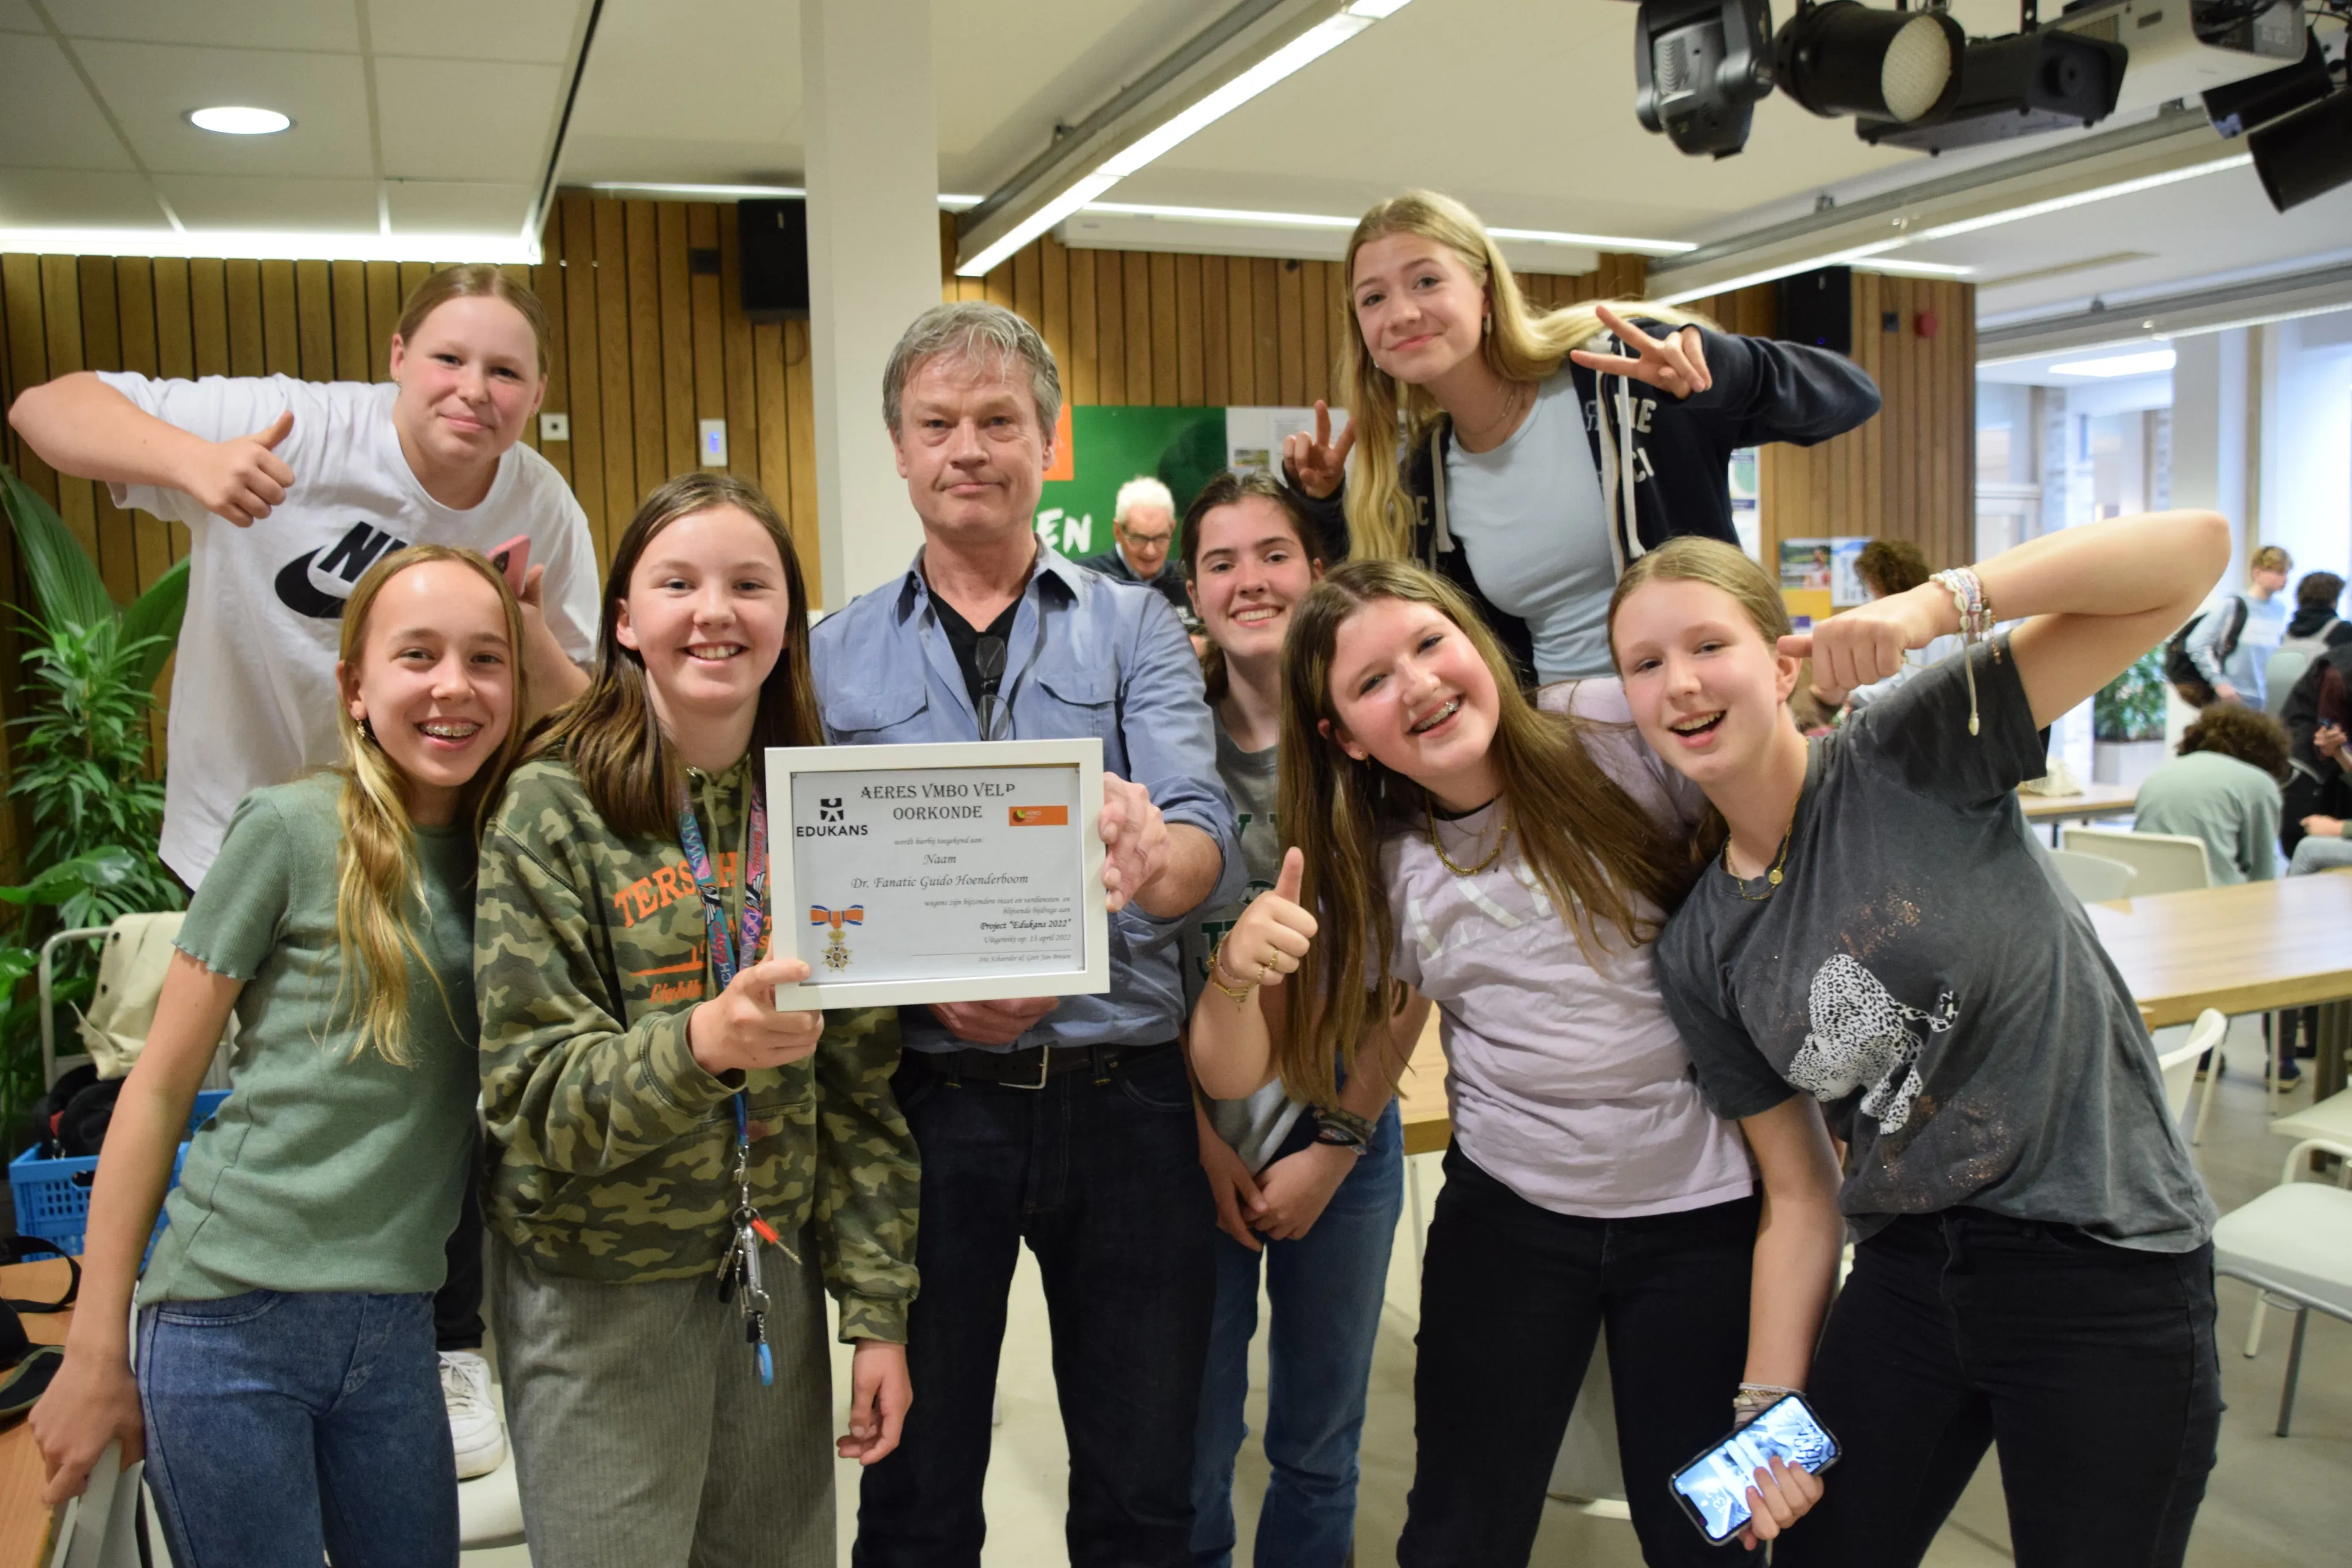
x,y
301,596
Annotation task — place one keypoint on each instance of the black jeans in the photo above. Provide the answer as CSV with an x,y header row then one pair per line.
x,y
2092,1367
1511,1298
457,1305
1102,1180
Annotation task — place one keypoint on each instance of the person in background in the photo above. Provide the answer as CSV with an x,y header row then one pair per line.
x,y
1542,450
2317,714
287,1395
289,490
1143,525
2314,628
1895,566
2223,787
2231,643
1311,1192
2326,843
1064,1125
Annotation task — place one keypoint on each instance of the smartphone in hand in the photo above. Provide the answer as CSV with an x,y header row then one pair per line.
x,y
1713,1487
513,560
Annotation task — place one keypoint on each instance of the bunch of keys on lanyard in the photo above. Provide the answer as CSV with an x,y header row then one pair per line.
x,y
739,1268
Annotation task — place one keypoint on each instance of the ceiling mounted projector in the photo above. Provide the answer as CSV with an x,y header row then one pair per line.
x,y
2182,48
1842,58
2020,85
1700,65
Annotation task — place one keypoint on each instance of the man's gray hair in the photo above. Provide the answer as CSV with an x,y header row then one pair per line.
x,y
974,332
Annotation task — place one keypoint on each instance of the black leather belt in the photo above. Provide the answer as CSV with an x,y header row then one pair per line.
x,y
1034,1066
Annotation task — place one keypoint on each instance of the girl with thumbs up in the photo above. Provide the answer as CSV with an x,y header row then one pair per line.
x,y
1511,860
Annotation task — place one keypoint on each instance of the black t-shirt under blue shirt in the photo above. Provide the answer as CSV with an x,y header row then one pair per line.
x,y
1922,972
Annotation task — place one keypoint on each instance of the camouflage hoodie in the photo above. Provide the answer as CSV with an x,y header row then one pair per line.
x,y
612,1150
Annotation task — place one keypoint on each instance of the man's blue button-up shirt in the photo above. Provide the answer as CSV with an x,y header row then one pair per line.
x,y
1087,656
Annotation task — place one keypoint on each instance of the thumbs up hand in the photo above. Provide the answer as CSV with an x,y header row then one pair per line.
x,y
1274,934
241,478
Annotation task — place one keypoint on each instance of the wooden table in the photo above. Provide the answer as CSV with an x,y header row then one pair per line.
x,y
23,1519
2096,800
2257,947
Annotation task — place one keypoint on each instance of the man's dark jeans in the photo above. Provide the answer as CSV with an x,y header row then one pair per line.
x,y
1101,1177
1512,1297
2092,1366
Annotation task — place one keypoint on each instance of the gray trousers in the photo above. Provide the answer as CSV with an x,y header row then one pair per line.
x,y
642,1436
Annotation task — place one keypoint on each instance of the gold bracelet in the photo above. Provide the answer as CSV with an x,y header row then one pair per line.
x,y
1217,975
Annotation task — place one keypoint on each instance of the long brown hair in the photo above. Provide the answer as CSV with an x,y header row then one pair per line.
x,y
477,280
1692,559
1602,858
1229,488
1524,344
376,887
609,734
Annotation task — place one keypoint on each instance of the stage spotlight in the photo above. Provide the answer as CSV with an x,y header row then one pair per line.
x,y
1700,65
2015,86
2308,154
2243,106
1842,58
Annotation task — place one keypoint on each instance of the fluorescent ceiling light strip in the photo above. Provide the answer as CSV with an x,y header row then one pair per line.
x,y
2176,333
1774,274
1331,221
1207,110
2145,364
2083,198
1597,241
1038,223
269,246
951,200
1923,268
1377,9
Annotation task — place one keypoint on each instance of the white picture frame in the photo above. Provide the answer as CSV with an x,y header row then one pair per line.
x,y
789,898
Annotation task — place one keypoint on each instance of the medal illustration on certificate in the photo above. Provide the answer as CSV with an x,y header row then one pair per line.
x,y
837,954
970,870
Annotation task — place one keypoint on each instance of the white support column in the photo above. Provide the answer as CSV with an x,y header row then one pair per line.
x,y
2209,411
872,136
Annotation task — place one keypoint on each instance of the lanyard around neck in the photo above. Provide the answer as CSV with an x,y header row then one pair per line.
x,y
730,952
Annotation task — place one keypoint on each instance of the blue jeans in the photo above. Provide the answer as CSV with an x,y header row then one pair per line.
x,y
1101,1178
284,1427
1326,1288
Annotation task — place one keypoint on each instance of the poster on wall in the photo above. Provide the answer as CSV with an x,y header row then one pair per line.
x,y
1823,567
1100,448
1747,504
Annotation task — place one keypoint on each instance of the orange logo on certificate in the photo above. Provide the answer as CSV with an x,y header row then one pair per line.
x,y
837,955
1040,815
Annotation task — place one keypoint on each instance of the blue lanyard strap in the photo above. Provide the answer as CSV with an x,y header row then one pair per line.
x,y
728,954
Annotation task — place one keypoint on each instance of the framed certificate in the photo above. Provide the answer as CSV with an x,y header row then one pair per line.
x,y
969,871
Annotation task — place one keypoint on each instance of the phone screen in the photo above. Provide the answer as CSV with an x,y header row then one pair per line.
x,y
1715,1485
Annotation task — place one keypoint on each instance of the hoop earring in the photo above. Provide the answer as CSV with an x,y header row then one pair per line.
x,y
367,732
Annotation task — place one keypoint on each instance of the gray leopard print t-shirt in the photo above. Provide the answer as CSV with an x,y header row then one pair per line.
x,y
1923,973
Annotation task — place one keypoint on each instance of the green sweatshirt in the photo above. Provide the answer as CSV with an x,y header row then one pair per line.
x,y
612,1150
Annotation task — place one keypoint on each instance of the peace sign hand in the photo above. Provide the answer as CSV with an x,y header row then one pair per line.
x,y
1316,464
1676,363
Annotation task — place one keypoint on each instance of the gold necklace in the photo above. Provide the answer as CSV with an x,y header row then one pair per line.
x,y
1510,412
1447,860
1771,878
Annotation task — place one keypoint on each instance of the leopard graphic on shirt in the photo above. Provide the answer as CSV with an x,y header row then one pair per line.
x,y
1860,1034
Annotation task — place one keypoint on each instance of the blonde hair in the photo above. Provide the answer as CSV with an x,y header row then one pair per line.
x,y
1691,558
477,280
1522,344
1598,855
2271,558
376,886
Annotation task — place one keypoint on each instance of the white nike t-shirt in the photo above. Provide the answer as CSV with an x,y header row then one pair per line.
x,y
253,691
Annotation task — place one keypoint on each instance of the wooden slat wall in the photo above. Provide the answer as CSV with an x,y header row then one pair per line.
x,y
1911,472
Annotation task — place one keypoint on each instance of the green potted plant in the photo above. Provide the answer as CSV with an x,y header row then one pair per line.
x,y
79,760
2127,723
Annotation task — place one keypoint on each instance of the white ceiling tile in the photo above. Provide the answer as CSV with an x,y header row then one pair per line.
x,y
535,31
152,87
650,76
15,17
461,120
47,119
235,24
229,201
59,198
437,206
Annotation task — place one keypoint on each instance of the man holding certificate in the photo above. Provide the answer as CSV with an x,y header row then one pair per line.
x,y
1068,1123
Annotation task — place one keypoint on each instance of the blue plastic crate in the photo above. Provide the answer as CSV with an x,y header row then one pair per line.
x,y
52,1197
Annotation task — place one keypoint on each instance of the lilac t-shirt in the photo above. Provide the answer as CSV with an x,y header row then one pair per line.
x,y
1567,1080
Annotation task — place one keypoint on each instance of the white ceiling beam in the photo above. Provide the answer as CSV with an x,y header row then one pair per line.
x,y
2316,292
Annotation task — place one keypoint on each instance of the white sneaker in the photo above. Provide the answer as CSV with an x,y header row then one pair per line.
x,y
475,1430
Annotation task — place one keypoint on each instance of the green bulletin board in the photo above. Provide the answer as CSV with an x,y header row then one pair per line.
x,y
1181,448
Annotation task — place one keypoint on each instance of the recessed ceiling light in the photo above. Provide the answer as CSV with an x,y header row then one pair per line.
x,y
2120,364
237,120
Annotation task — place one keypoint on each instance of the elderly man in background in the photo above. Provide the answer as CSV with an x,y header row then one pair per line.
x,y
1066,1125
1143,525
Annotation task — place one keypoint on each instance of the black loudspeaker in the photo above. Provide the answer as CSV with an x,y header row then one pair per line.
x,y
1817,307
772,251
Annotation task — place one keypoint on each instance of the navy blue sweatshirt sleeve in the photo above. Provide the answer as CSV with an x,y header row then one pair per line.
x,y
1774,391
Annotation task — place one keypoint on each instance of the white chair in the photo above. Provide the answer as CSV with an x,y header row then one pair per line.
x,y
2167,862
2294,1243
2178,1064
2330,1119
2094,879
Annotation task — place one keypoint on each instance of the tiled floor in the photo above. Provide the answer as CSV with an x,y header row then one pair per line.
x,y
2272,1502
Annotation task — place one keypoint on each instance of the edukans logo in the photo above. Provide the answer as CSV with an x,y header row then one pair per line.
x,y
829,809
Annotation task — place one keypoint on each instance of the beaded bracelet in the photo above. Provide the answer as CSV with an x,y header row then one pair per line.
x,y
1355,1129
1217,975
1976,618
